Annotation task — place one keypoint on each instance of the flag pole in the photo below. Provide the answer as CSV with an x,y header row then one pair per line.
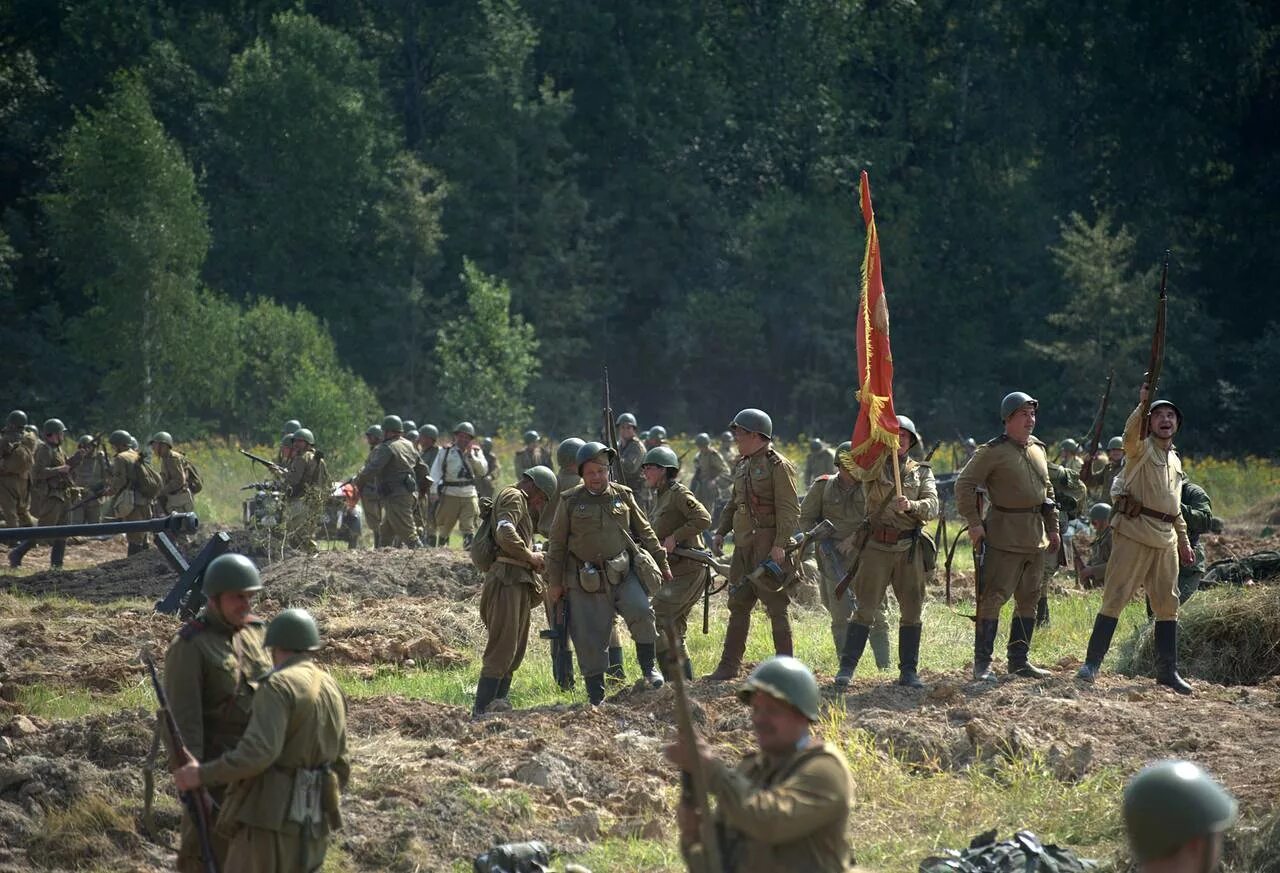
x,y
897,473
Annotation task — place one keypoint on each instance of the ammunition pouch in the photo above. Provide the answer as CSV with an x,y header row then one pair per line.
x,y
617,568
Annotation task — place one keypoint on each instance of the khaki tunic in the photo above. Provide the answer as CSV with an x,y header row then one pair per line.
x,y
530,457
819,463
783,815
1099,555
389,471
49,488
888,561
843,505
762,513
175,496
17,454
372,506
710,472
510,586
126,503
631,455
90,475
677,513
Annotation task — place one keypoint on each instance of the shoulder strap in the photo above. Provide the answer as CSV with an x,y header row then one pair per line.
x,y
191,629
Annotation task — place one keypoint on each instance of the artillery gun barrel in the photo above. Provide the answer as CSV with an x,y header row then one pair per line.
x,y
176,523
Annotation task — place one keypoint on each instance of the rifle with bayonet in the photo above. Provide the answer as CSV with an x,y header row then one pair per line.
x,y
270,465
1155,363
1095,431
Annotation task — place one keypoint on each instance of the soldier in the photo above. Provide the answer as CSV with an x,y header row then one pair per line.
x,y
601,538
1094,574
284,453
728,450
1069,496
710,473
1150,539
211,670
567,462
678,519
455,470
369,496
1175,815
50,492
175,495
511,585
786,806
840,500
306,487
762,514
657,436
894,554
428,435
1105,474
1069,455
484,485
389,471
820,462
1010,543
631,453
89,477
17,454
533,454
1197,511
122,486
285,774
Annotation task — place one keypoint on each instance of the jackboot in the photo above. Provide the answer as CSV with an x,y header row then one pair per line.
x,y
500,702
1104,626
486,691
648,669
781,627
880,646
57,553
17,552
687,667
1020,631
984,643
595,689
909,656
855,641
1166,633
837,636
735,643
614,671
1042,611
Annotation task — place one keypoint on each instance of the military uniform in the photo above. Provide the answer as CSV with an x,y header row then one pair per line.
x,y
372,505
17,455
305,488
820,462
532,456
677,513
631,457
485,484
1197,512
175,495
294,747
89,477
50,493
1070,496
210,672
430,502
510,588
1103,480
710,475
455,473
126,503
1099,555
389,471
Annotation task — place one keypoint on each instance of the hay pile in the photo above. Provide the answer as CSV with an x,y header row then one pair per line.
x,y
1230,636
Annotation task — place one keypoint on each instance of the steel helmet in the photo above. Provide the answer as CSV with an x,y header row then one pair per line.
x,y
1115,443
230,572
544,479
286,441
657,432
392,424
567,452
1100,512
909,426
726,437
702,440
16,419
644,434
1169,403
787,679
1070,445
133,442
293,630
754,420
292,425
625,418
374,430
815,444
411,435
1170,803
306,436
54,425
486,443
661,456
970,443
531,436
86,440
592,451
465,427
119,438
161,436
1015,401
429,430
409,424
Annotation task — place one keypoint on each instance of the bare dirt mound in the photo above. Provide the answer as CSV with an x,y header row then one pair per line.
x,y
377,573
144,576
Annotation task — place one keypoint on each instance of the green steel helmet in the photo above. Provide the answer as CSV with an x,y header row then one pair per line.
x,y
465,427
1169,803
545,479
567,452
286,441
392,423
726,437
531,436
411,434
625,418
593,451
133,442
292,426
31,428
305,435
1115,443
293,630
54,425
661,456
909,426
754,420
17,419
486,443
374,430
702,440
815,444
657,432
787,679
231,572
119,438
409,424
643,435
86,440
1015,401
1069,445
429,430
1169,403
1100,512
161,436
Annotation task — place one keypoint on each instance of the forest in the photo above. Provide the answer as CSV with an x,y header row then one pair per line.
x,y
218,214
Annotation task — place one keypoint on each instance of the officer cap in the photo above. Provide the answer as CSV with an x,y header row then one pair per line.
x,y
1169,403
544,479
16,419
702,440
815,444
567,451
161,436
487,443
909,426
375,430
1015,401
119,438
1100,512
85,440
1170,803
625,418
305,435
1070,445
411,434
1115,443
787,679
657,432
293,630
54,425
754,420
465,427
230,572
531,436
409,424
429,430
392,423
593,451
292,425
661,456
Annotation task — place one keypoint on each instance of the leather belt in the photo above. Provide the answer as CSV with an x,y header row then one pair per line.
x,y
503,559
891,534
1017,509
1160,516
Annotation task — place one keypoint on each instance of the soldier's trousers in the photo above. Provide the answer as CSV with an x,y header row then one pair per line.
x,y
831,571
189,839
505,602
257,850
591,620
419,515
130,507
302,520
397,520
372,507
452,510
13,504
880,569
1010,574
90,513
1133,566
675,599
748,552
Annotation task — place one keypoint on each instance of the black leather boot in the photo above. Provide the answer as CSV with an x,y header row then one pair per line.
x,y
1042,611
1104,626
909,656
1020,631
486,691
984,643
58,552
18,551
855,641
648,668
1166,633
595,689
614,671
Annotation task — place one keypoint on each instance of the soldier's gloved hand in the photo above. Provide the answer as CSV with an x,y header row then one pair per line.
x,y
717,544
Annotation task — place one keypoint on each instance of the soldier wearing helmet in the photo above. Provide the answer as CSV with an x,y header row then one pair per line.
x,y
389,471
306,486
455,471
631,455
1175,815
1069,455
567,464
1010,539
762,514
175,490
603,555
1150,539
369,501
678,520
285,776
428,450
510,583
50,491
283,454
90,478
1070,496
657,436
1104,473
484,484
17,454
1094,573
895,554
533,454
127,504
821,461
211,669
1197,510
786,806
710,478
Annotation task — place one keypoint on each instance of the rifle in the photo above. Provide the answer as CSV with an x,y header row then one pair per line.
x,y
768,570
714,568
270,465
561,653
610,433
94,494
694,783
198,803
1156,362
80,454
1095,431
940,538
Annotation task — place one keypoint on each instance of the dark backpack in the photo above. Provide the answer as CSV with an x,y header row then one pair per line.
x,y
149,482
1022,854
484,548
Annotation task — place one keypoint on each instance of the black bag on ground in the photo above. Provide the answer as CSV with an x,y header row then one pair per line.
x,y
531,857
1022,854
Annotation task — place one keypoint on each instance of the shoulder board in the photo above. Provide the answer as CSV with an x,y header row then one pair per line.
x,y
191,629
774,457
997,441
1032,441
618,486
825,476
